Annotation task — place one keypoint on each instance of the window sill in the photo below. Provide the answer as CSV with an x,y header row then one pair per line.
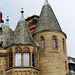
x,y
24,67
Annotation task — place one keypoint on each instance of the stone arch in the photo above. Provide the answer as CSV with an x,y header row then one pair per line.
x,y
54,37
26,49
35,52
10,49
18,49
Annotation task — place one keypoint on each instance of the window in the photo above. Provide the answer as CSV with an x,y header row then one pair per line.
x,y
54,42
66,65
10,59
42,43
26,59
18,59
71,67
33,60
34,21
63,44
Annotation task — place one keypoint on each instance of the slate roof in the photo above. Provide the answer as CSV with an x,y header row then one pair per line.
x,y
47,19
8,34
22,33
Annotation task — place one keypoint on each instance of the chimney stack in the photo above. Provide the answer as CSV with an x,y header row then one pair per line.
x,y
1,21
0,15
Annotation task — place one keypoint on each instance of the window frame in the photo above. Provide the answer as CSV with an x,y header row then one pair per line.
x,y
29,59
18,60
42,43
54,40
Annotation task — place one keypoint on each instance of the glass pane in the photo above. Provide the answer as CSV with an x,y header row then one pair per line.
x,y
18,59
26,59
42,44
54,43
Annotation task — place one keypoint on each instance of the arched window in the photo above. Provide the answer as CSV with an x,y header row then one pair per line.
x,y
42,42
54,41
63,45
10,59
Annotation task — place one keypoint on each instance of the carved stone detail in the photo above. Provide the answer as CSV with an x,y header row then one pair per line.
x,y
26,49
34,50
18,49
10,49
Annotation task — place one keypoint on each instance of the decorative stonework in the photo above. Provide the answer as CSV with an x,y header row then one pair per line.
x,y
10,49
34,50
18,49
26,49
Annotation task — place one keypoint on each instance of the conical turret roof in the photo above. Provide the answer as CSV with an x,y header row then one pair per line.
x,y
47,19
22,33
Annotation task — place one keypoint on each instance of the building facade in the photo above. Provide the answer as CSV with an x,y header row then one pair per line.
x,y
41,53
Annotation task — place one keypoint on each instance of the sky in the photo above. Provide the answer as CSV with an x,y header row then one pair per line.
x,y
63,9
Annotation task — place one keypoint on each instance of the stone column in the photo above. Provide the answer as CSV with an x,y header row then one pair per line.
x,y
13,56
22,59
31,58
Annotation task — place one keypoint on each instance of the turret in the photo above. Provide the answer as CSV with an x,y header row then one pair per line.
x,y
22,49
7,33
52,41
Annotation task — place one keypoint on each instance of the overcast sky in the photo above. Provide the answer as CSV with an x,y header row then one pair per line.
x,y
63,9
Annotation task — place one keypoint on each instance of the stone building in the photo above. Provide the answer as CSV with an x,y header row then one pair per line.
x,y
71,63
41,53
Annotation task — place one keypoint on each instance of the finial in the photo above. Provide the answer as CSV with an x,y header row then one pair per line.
x,y
7,21
7,18
46,2
22,11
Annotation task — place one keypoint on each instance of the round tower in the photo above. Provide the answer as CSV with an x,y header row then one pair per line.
x,y
52,41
